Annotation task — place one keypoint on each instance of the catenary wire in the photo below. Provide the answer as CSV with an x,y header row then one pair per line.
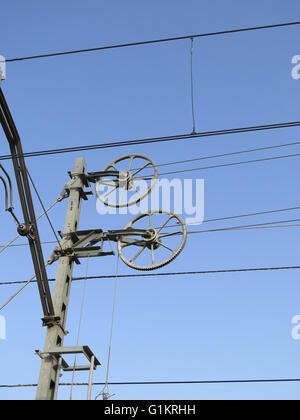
x,y
223,165
241,216
256,225
250,214
155,41
187,382
233,228
180,273
179,137
178,162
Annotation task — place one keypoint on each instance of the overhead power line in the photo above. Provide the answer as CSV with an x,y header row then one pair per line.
x,y
181,273
187,382
257,225
259,149
258,213
149,42
153,140
31,280
224,165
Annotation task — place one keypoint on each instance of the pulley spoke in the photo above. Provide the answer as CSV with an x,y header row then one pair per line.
x,y
165,224
138,254
141,169
131,162
152,251
137,243
165,246
150,220
108,192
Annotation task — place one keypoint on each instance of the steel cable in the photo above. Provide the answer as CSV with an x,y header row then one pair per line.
x,y
154,41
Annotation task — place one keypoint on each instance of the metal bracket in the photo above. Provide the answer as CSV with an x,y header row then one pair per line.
x,y
51,321
83,243
57,352
75,184
57,355
95,176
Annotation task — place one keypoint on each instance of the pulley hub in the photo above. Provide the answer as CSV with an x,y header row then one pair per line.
x,y
151,238
25,229
126,180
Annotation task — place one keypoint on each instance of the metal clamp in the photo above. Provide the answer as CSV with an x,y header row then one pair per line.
x,y
51,321
75,184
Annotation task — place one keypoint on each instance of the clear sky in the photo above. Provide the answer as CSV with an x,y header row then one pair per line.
x,y
209,327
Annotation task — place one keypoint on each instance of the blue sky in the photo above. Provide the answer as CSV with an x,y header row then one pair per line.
x,y
222,326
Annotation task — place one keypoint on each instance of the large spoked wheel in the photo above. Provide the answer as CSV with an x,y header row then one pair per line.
x,y
164,239
138,175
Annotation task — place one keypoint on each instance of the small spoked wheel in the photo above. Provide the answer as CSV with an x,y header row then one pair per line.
x,y
163,240
135,179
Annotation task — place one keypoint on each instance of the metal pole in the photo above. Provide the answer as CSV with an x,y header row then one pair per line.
x,y
55,334
89,397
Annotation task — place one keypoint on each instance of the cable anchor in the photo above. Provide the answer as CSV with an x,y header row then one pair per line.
x,y
26,229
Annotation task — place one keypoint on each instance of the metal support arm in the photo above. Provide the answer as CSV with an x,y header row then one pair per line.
x,y
95,176
83,242
16,150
